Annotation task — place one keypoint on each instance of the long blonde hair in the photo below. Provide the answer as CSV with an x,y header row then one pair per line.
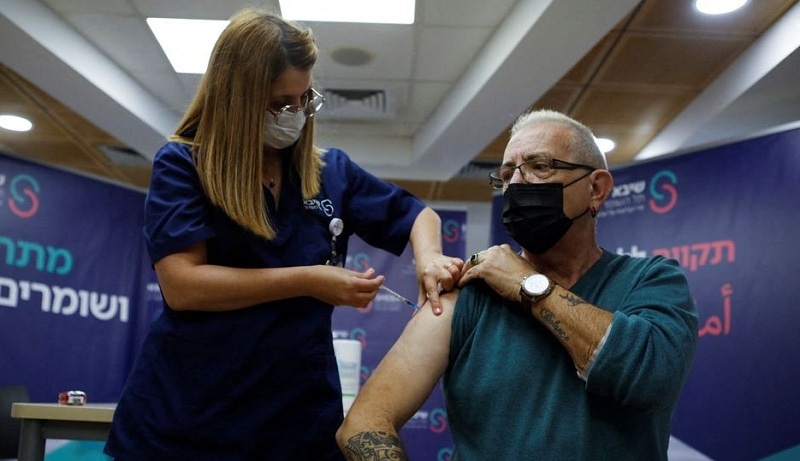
x,y
224,122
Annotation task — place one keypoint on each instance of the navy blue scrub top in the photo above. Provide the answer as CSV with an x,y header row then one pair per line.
x,y
261,382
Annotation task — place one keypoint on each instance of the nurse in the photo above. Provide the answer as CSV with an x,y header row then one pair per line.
x,y
247,223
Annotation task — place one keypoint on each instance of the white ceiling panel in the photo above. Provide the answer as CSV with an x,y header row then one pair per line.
x,y
196,9
139,52
426,97
445,52
391,46
465,13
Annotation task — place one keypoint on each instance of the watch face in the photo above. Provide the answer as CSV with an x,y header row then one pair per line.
x,y
536,284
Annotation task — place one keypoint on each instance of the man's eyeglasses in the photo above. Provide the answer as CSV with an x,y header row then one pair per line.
x,y
538,168
312,102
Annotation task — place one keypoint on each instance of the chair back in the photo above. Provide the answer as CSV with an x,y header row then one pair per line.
x,y
10,427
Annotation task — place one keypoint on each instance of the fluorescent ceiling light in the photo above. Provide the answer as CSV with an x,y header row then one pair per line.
x,y
187,42
15,123
718,6
371,11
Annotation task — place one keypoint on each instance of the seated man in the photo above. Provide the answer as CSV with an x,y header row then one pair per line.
x,y
508,351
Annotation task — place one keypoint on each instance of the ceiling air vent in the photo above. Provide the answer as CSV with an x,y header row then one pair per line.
x,y
124,156
345,104
477,170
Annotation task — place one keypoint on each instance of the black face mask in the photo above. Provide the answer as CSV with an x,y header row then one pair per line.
x,y
533,214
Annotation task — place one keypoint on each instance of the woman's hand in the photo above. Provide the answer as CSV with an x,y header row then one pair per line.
x,y
344,287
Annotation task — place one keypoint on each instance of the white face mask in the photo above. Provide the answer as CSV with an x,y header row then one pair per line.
x,y
286,134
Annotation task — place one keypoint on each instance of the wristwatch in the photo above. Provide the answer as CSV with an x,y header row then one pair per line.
x,y
533,288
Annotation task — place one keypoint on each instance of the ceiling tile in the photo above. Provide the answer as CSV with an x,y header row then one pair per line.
x,y
668,60
443,53
391,46
585,69
472,190
631,117
197,9
681,16
122,7
463,12
425,97
645,109
493,152
104,31
561,98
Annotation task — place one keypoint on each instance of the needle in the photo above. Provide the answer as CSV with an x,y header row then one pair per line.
x,y
399,296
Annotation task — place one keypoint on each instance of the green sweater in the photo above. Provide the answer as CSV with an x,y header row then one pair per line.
x,y
512,391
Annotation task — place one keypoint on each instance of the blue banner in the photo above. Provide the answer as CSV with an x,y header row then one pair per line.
x,y
729,216
73,281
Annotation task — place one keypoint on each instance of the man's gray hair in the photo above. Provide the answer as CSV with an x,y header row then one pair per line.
x,y
582,144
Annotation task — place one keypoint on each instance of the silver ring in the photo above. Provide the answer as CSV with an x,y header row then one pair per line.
x,y
474,259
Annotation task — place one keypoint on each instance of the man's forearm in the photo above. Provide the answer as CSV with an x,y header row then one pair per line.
x,y
577,325
374,446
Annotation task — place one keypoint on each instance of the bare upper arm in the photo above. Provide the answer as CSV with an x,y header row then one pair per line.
x,y
407,374
190,256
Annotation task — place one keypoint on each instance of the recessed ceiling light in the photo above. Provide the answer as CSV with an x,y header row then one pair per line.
x,y
718,6
606,145
187,42
15,123
381,12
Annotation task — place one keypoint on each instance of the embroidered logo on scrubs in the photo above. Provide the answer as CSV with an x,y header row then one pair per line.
x,y
325,206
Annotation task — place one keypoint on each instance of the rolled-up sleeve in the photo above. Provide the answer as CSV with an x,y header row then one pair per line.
x,y
650,347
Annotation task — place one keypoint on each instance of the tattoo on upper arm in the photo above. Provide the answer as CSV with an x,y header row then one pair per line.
x,y
572,299
375,446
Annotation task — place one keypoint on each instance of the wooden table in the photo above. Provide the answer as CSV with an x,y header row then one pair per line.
x,y
41,421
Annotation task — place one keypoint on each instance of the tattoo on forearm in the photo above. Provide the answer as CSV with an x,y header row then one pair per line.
x,y
375,446
549,318
572,299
